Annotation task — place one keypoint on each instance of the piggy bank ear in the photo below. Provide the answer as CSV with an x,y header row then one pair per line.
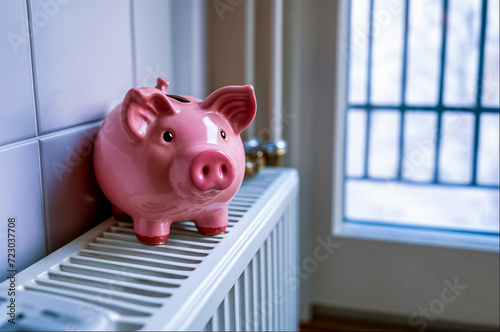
x,y
141,108
236,103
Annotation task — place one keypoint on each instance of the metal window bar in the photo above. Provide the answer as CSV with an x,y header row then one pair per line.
x,y
479,88
477,109
402,108
441,89
368,87
403,91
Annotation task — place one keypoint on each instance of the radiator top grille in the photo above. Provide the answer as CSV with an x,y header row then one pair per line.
x,y
109,271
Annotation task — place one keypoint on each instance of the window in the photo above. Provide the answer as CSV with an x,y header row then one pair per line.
x,y
422,121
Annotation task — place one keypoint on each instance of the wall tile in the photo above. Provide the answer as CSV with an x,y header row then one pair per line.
x,y
17,112
73,201
83,61
20,195
153,46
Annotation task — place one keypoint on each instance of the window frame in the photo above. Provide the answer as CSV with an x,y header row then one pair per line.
x,y
394,232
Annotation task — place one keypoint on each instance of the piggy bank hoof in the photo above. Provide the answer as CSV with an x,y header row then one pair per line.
x,y
152,240
211,230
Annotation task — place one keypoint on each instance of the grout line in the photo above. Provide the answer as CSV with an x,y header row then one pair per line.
x,y
33,69
37,138
37,132
42,199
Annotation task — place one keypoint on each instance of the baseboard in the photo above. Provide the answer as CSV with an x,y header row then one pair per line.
x,y
340,319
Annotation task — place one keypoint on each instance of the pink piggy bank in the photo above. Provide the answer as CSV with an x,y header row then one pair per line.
x,y
163,158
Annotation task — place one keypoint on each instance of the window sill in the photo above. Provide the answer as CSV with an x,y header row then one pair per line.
x,y
426,237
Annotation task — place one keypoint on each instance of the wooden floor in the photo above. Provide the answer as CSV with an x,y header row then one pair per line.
x,y
321,324
341,320
344,325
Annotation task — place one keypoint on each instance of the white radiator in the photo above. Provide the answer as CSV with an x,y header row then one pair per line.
x,y
106,280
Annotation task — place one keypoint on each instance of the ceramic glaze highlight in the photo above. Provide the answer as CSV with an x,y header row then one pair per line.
x,y
160,158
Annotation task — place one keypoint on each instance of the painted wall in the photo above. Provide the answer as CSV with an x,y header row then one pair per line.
x,y
364,276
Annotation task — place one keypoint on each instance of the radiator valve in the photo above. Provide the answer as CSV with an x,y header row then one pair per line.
x,y
274,152
260,154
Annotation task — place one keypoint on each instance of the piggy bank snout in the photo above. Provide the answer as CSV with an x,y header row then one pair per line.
x,y
212,169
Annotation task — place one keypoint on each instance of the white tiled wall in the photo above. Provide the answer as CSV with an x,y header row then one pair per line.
x,y
71,196
56,85
82,60
16,83
21,199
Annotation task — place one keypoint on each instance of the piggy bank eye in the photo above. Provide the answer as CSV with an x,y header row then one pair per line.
x,y
168,136
223,134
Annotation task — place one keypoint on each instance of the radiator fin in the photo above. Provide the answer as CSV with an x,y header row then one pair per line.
x,y
272,271
177,285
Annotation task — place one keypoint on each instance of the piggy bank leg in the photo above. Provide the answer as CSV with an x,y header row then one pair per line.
x,y
151,232
213,224
120,215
